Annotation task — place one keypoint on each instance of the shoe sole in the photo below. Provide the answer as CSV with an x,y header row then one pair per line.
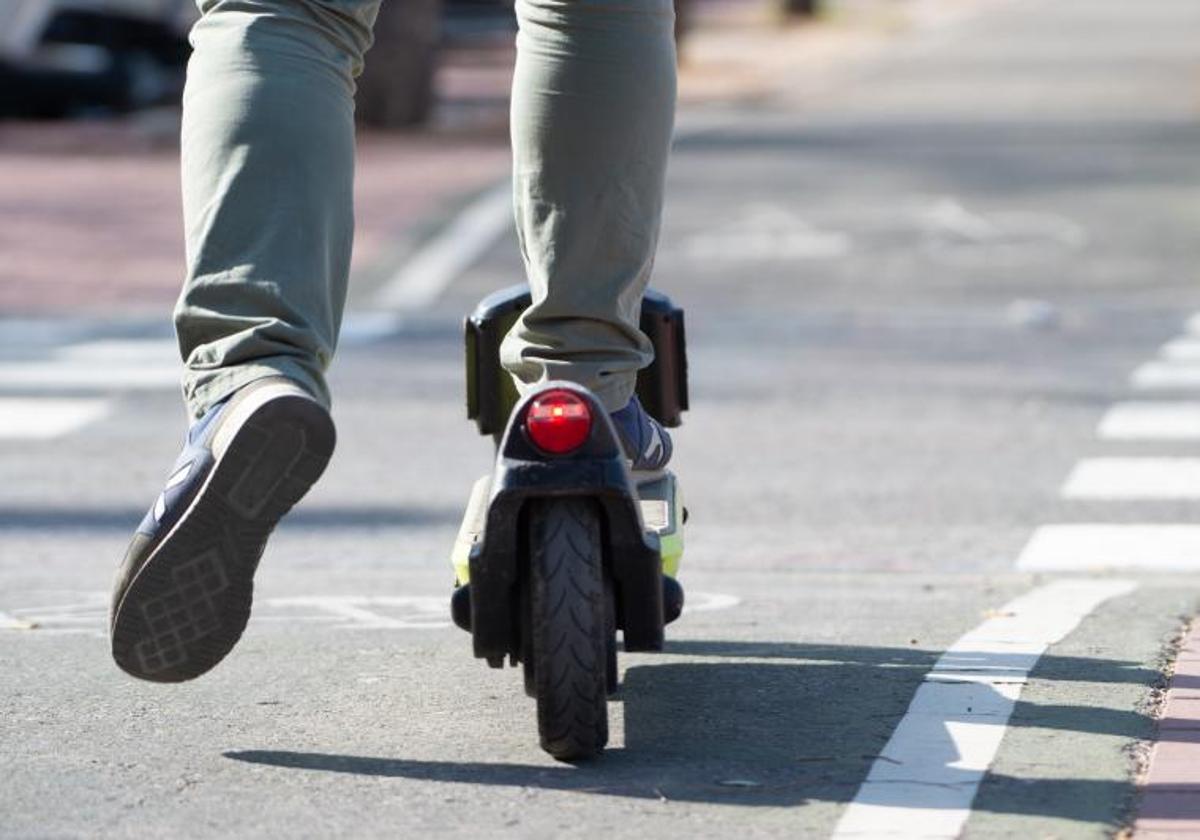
x,y
189,603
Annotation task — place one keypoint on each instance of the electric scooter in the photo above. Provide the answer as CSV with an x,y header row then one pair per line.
x,y
562,545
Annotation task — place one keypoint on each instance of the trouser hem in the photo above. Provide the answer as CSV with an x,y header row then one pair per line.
x,y
205,388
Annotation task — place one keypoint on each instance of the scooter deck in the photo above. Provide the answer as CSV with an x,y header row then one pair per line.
x,y
659,499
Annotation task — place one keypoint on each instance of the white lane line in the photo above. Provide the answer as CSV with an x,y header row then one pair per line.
x,y
1185,349
1192,325
98,365
11,622
158,352
1166,375
368,327
709,602
368,612
1082,547
57,375
26,334
927,775
1151,421
26,418
452,251
1134,478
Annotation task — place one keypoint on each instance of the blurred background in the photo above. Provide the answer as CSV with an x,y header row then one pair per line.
x,y
938,259
89,93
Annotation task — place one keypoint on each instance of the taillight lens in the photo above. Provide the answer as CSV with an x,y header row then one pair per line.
x,y
558,422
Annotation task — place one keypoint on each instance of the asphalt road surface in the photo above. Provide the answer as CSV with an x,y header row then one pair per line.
x,y
942,532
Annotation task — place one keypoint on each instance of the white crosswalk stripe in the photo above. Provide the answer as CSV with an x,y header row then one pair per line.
x,y
1134,478
1185,349
1094,547
55,389
1150,547
45,418
1166,375
109,365
1151,421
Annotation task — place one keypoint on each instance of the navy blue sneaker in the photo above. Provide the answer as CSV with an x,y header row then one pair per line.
x,y
182,595
646,442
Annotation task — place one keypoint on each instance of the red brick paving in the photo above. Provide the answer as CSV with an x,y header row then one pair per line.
x,y
98,229
90,218
1170,793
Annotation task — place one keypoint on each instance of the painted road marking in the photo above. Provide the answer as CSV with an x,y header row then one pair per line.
x,y
766,232
927,775
1166,375
11,622
1185,349
47,418
1134,478
88,612
709,602
159,352
1192,325
419,282
1151,421
959,236
1084,547
370,612
26,334
368,327
57,375
98,365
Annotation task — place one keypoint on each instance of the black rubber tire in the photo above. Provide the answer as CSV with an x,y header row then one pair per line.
x,y
569,627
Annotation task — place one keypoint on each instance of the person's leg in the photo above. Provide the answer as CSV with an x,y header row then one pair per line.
x,y
268,159
268,151
592,113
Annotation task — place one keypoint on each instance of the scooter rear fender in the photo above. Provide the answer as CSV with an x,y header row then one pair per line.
x,y
598,471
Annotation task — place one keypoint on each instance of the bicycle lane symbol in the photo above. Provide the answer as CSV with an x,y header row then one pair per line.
x,y
86,613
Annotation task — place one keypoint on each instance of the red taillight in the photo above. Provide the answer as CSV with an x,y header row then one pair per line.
x,y
558,422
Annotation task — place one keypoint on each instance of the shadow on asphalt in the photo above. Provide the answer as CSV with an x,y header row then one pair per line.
x,y
782,733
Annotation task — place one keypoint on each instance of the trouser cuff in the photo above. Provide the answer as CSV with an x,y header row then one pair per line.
x,y
203,389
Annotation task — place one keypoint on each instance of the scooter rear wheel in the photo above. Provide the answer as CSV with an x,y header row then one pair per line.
x,y
569,627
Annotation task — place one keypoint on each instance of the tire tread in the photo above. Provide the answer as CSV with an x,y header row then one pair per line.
x,y
569,627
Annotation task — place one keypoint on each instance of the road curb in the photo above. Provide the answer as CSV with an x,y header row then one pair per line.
x,y
1169,794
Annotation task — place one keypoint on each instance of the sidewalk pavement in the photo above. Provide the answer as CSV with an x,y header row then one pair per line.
x,y
90,210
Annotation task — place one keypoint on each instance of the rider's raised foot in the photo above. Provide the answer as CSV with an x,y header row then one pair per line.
x,y
183,592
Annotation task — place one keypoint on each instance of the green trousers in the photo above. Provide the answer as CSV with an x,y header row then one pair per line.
x,y
268,160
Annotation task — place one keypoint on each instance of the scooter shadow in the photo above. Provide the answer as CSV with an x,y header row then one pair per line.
x,y
796,723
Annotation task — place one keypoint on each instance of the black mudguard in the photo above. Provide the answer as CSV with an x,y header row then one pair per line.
x,y
598,471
